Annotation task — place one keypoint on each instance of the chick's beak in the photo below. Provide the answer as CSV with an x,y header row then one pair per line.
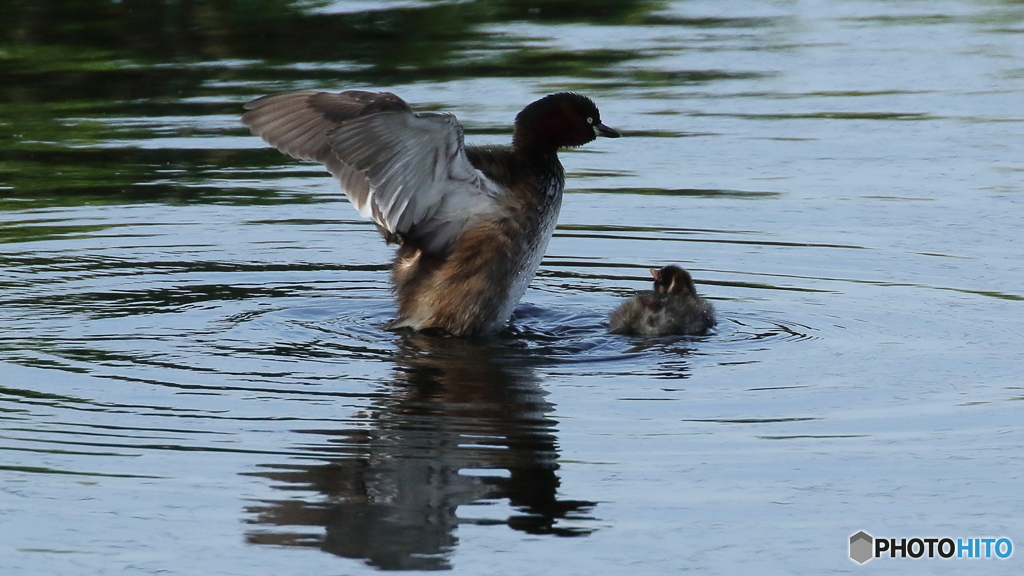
x,y
602,130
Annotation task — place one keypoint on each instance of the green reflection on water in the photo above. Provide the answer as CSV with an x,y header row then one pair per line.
x,y
80,74
43,470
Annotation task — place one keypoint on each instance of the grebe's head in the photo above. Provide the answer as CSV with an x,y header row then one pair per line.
x,y
673,280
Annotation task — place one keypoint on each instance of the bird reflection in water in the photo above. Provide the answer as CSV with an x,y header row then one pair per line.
x,y
456,413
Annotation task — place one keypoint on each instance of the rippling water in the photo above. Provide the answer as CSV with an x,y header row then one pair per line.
x,y
193,374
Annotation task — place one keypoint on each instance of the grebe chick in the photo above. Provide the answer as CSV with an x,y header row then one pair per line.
x,y
673,307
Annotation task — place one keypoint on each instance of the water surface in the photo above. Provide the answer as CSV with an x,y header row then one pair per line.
x,y
193,375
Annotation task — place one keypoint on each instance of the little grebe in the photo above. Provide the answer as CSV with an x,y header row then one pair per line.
x,y
472,223
673,307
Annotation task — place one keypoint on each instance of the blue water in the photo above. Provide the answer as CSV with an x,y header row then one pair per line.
x,y
193,374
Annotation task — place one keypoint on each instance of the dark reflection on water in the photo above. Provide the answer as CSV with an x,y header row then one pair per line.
x,y
387,44
389,491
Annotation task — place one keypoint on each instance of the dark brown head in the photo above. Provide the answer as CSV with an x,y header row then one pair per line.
x,y
673,280
559,120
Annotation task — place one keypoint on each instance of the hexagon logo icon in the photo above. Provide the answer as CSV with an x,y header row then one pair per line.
x,y
860,547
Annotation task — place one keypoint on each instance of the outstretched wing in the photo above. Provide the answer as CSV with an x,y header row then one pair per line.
x,y
408,172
